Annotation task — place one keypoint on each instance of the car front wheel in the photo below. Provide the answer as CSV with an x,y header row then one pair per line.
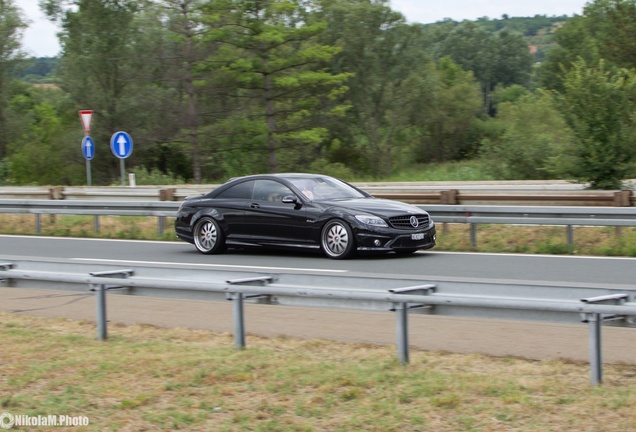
x,y
208,237
336,240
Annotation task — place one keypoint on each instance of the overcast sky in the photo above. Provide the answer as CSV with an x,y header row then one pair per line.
x,y
40,39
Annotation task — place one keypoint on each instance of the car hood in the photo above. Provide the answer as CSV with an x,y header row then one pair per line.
x,y
378,206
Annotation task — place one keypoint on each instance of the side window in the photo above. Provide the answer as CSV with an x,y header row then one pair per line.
x,y
269,190
239,191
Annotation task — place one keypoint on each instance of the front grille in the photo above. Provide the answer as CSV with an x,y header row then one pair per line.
x,y
404,222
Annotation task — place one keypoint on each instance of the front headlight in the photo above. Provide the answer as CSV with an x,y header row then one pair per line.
x,y
371,220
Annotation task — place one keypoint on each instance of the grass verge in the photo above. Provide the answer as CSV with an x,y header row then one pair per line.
x,y
156,379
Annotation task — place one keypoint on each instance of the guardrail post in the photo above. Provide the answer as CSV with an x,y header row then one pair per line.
x,y
570,236
102,329
595,321
5,267
473,235
238,306
161,225
100,301
402,310
448,197
403,333
623,198
165,195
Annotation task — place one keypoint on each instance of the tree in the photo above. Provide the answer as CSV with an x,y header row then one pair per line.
x,y
599,105
103,66
182,53
11,26
534,137
270,53
501,58
445,113
390,75
604,31
40,152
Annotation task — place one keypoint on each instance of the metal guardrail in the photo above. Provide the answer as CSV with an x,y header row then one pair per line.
x,y
568,216
593,305
555,193
533,215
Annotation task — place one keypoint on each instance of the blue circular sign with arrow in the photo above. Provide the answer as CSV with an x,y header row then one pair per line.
x,y
88,148
121,144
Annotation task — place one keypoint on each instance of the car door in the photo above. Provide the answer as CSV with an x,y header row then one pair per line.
x,y
271,220
230,205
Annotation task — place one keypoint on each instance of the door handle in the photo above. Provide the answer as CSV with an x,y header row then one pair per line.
x,y
255,205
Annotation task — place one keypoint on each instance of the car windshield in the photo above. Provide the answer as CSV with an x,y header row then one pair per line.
x,y
320,188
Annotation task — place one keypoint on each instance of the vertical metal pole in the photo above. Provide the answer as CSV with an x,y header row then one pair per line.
x,y
570,234
160,225
88,173
122,168
96,223
239,322
102,332
473,235
596,354
38,223
403,333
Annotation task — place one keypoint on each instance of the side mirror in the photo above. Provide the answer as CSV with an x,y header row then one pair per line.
x,y
291,199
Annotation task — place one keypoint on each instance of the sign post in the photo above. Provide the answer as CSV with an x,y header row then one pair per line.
x,y
88,146
121,144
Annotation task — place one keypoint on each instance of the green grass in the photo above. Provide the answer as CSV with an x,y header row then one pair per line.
x,y
147,378
448,171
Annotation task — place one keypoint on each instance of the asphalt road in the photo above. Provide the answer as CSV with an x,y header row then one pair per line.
x,y
525,339
426,264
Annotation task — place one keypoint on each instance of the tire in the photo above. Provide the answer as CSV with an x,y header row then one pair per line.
x,y
208,237
337,240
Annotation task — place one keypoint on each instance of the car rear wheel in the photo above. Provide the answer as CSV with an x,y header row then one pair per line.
x,y
208,237
336,240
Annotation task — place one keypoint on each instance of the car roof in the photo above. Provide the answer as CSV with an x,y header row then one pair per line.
x,y
276,175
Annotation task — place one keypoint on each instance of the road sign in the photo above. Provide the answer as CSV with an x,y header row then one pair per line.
x,y
86,117
88,148
121,144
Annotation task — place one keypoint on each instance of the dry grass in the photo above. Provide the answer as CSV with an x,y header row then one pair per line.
x,y
604,241
155,379
122,227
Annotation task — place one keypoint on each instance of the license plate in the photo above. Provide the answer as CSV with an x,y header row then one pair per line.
x,y
419,236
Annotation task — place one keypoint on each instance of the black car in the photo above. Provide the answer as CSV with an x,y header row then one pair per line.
x,y
301,211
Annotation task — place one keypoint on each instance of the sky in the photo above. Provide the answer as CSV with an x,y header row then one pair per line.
x,y
39,39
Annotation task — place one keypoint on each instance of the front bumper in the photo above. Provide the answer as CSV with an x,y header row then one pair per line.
x,y
395,240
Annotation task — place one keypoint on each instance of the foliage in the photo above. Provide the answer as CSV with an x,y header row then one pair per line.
x,y
4,171
11,26
446,113
270,56
501,58
391,76
339,86
143,176
39,69
533,137
599,104
604,32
